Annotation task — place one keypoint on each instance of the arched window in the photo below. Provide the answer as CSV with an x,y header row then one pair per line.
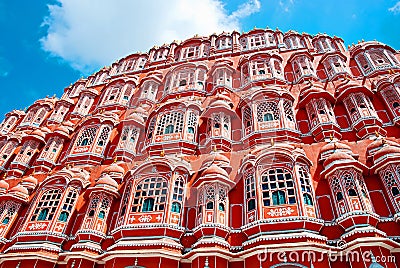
x,y
268,117
267,110
278,197
176,207
43,214
150,195
278,187
352,192
251,204
169,129
148,205
307,199
395,191
87,136
221,207
63,216
250,189
6,220
47,205
91,213
210,205
102,214
171,122
177,195
339,196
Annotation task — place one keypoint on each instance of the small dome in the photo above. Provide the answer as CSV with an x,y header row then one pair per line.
x,y
215,170
4,185
135,116
63,129
19,189
30,179
107,180
217,157
376,145
386,150
39,133
140,110
334,146
215,103
114,168
337,156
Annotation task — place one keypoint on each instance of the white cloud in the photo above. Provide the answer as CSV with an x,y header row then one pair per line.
x,y
286,5
93,33
396,8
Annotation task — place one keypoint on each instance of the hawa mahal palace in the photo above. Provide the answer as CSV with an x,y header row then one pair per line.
x,y
236,150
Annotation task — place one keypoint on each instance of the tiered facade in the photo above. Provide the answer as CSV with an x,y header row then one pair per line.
x,y
233,150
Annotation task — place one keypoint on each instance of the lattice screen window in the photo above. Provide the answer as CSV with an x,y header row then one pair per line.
x,y
47,205
260,67
277,67
378,57
221,123
288,108
349,184
104,135
267,111
177,195
184,78
7,211
250,189
171,122
222,198
27,151
336,188
87,136
93,206
192,122
150,195
104,207
270,38
151,129
40,116
129,137
257,40
8,149
30,115
363,63
243,42
191,52
9,123
210,197
305,183
68,205
390,182
149,90
52,148
247,117
392,97
125,202
278,187
224,42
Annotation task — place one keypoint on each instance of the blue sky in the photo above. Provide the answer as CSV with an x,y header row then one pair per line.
x,y
47,45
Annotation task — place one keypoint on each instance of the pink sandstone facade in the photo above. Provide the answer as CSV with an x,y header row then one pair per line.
x,y
260,149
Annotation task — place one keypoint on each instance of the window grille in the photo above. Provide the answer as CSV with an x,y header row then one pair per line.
x,y
278,187
174,119
269,107
47,205
87,136
150,188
